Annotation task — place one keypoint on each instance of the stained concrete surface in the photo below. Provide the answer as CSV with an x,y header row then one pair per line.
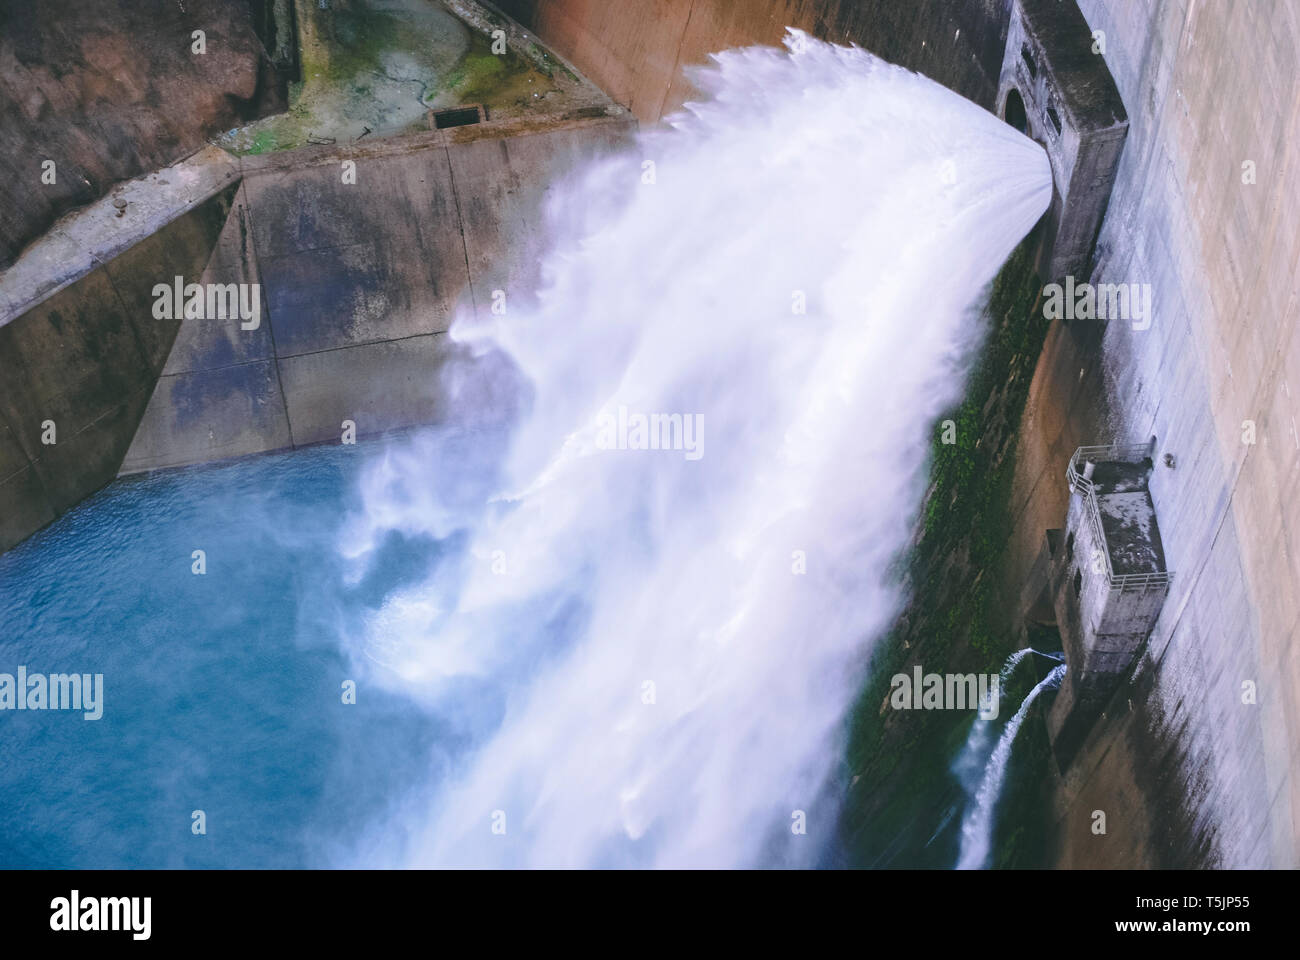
x,y
1132,534
1072,107
361,282
635,49
85,359
376,68
1208,86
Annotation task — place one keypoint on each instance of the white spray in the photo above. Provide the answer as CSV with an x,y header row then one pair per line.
x,y
667,645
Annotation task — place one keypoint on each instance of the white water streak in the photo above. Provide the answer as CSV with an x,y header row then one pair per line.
x,y
888,203
969,765
977,823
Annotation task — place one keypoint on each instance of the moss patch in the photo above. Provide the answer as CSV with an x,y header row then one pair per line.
x,y
264,142
496,80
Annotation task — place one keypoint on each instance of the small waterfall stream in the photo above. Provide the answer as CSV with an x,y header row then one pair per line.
x,y
977,823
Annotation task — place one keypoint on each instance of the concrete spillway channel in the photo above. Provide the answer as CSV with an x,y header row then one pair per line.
x,y
354,257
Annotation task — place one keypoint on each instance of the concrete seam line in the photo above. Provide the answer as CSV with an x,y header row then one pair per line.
x,y
460,221
348,346
270,322
677,61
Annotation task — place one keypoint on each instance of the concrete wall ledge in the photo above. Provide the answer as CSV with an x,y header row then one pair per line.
x,y
397,146
92,236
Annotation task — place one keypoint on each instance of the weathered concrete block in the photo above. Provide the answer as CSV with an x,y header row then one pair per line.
x,y
23,504
1056,89
71,360
1109,584
85,351
379,264
81,464
212,344
178,249
504,184
344,296
350,263
24,508
403,195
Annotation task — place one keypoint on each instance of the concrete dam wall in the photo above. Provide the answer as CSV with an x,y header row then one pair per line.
x,y
636,51
360,286
1203,210
1189,766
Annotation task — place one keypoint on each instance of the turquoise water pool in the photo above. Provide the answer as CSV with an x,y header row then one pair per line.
x,y
222,692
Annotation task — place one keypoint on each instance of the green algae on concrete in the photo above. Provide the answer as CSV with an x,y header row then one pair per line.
x,y
377,67
506,84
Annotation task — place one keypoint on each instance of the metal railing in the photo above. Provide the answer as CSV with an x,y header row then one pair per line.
x,y
1107,453
1074,473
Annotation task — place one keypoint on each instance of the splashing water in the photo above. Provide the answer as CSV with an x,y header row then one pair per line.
x,y
977,823
651,653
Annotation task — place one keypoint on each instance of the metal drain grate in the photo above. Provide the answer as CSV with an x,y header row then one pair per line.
x,y
457,116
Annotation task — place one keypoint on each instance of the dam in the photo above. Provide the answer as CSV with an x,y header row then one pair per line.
x,y
400,186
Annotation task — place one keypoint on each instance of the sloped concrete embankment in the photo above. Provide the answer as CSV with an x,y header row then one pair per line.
x,y
358,283
78,354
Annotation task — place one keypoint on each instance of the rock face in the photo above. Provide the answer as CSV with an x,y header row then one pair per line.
x,y
112,89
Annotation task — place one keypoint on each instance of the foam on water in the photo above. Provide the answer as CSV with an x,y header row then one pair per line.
x,y
653,653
